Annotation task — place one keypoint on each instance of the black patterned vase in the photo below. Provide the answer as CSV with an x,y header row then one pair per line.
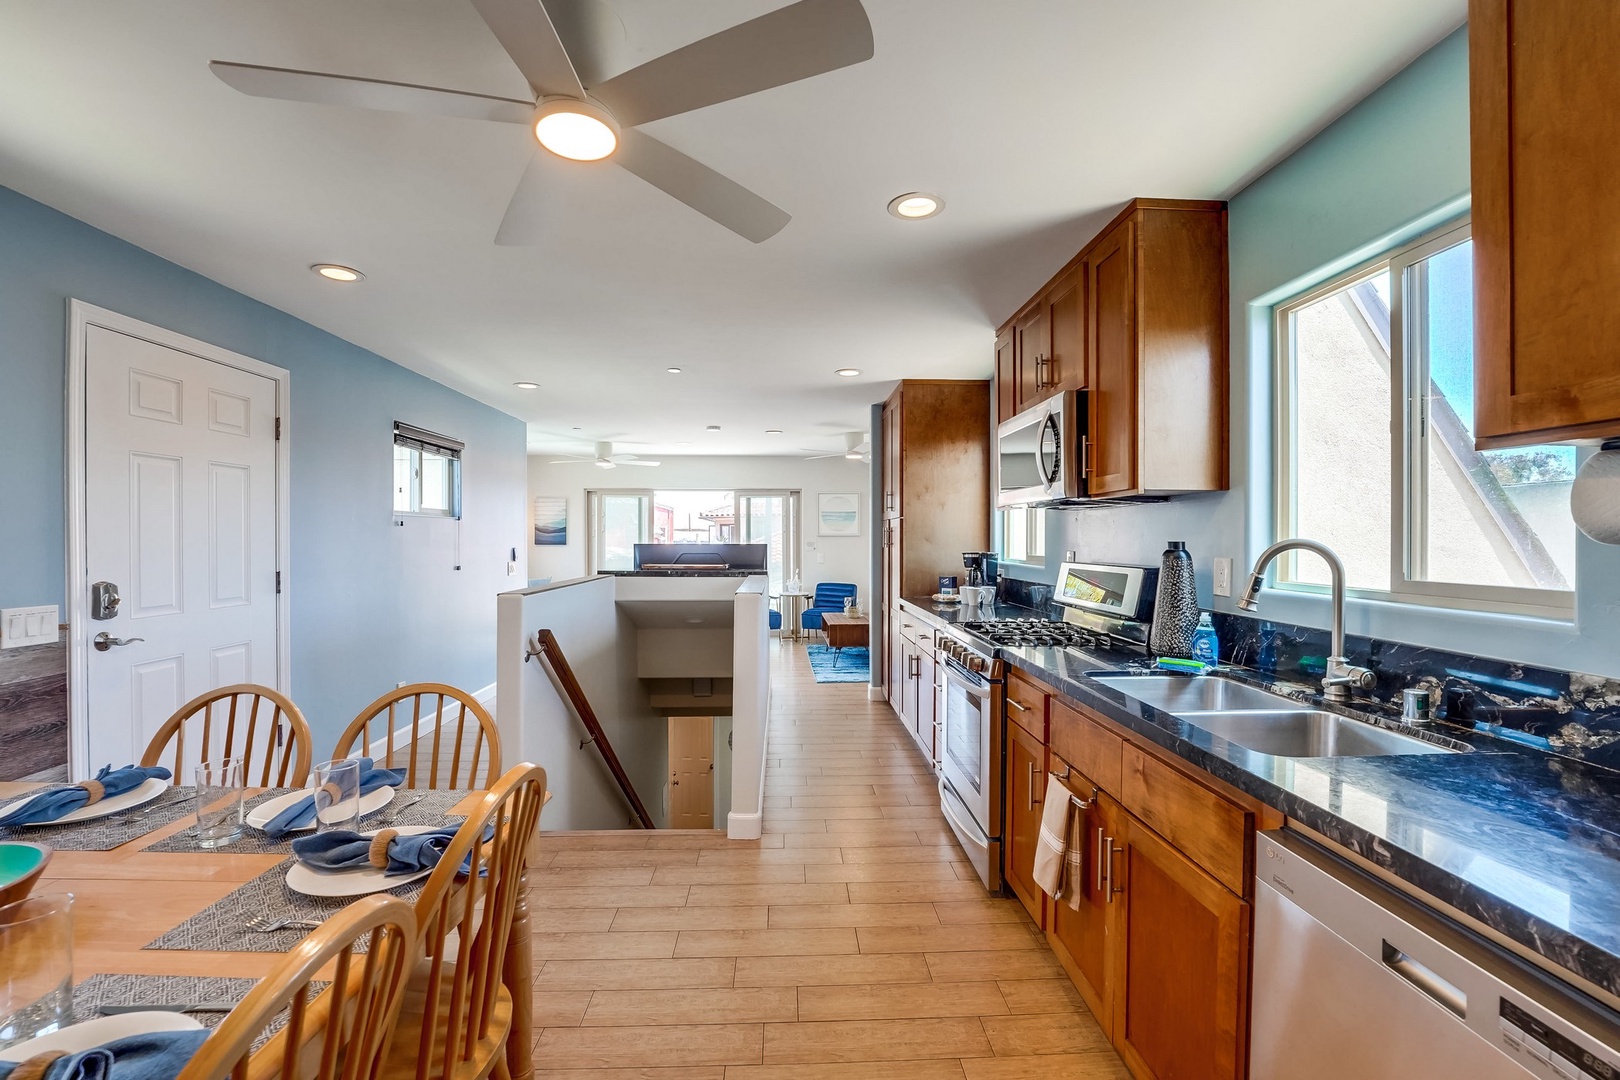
x,y
1175,611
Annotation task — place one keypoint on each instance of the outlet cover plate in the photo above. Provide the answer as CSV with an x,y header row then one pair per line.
x,y
20,627
1223,576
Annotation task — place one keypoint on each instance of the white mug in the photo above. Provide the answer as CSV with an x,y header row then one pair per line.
x,y
969,595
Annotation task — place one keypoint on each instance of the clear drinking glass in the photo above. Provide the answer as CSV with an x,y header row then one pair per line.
x,y
337,795
36,975
219,802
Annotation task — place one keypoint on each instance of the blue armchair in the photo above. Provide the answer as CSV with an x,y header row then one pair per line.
x,y
829,597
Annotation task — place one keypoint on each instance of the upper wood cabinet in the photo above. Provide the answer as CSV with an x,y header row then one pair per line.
x,y
1544,77
1139,321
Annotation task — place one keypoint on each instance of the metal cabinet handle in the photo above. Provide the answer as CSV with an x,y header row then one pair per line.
x,y
1030,782
104,641
1017,705
1085,457
1101,847
1109,850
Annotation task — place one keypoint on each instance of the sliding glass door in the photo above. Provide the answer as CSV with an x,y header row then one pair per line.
x,y
772,518
619,521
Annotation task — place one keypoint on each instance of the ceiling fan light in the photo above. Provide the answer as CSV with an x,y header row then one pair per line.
x,y
576,130
853,455
602,464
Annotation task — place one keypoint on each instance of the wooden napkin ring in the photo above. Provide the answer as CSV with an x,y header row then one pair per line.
x,y
378,854
34,1068
96,790
333,793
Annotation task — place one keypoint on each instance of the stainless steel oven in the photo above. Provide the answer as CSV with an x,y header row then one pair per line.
x,y
971,752
1041,453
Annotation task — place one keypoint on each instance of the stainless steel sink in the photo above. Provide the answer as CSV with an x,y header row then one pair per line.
x,y
1198,693
1264,722
1308,733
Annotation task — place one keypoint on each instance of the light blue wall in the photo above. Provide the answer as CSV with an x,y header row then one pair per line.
x,y
372,603
1391,168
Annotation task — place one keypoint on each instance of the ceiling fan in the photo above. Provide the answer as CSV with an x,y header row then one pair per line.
x,y
856,448
605,459
602,121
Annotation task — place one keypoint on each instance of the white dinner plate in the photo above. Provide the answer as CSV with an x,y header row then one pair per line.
x,y
149,789
103,1029
360,882
265,812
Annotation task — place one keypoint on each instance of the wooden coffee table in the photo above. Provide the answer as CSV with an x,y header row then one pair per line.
x,y
845,631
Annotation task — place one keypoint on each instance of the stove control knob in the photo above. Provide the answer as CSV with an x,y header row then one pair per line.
x,y
976,663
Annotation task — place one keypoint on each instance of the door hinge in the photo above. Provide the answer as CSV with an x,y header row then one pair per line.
x,y
278,582
278,429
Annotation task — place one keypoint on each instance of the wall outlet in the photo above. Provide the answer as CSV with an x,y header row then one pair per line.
x,y
511,571
1068,556
24,626
1223,576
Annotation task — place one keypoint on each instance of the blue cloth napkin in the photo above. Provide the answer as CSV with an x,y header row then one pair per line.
x,y
301,814
342,850
159,1055
55,803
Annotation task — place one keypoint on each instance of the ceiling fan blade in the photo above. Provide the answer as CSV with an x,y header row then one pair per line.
x,y
815,456
572,461
528,214
638,461
700,187
792,43
324,89
526,33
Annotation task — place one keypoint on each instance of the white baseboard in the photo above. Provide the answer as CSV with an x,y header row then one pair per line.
x,y
430,724
745,826
876,693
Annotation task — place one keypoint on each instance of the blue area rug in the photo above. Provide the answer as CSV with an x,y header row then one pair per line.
x,y
840,665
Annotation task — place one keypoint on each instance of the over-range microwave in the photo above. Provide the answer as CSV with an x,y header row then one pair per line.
x,y
1041,453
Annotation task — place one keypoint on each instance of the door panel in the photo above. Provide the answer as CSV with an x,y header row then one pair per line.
x,y
180,514
1066,367
1026,779
1033,345
1111,327
1180,996
1083,934
691,772
1006,377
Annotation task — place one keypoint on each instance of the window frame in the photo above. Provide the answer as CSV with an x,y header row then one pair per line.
x,y
792,554
1408,424
791,530
420,441
1034,526
598,535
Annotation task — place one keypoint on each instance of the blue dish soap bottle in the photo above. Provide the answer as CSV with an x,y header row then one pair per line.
x,y
1206,643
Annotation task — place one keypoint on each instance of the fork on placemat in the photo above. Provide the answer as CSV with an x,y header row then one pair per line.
x,y
406,805
269,924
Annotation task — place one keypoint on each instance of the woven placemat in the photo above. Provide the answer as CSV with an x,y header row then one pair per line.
x,y
222,926
115,830
156,990
432,809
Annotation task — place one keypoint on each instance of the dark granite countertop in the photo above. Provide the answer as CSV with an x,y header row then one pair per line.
x,y
1526,842
685,573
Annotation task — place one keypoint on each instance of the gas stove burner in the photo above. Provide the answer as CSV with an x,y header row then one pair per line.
x,y
1037,633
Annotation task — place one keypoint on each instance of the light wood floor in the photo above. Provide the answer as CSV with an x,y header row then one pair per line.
x,y
852,941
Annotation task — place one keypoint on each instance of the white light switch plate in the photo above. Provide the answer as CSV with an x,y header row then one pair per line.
x,y
1223,576
27,626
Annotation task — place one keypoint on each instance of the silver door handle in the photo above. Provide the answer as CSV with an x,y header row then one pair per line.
x,y
1030,765
1015,704
1100,849
104,641
1108,867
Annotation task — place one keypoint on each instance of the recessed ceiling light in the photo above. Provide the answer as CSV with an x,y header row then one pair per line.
x,y
673,370
848,372
853,455
773,431
579,429
574,129
530,386
712,427
334,272
915,205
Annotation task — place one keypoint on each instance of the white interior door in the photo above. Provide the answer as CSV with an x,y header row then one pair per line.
x,y
180,515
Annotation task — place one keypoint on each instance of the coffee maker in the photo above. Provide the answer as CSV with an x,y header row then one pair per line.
x,y
981,567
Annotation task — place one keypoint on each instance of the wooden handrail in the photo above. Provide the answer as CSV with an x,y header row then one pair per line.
x,y
546,646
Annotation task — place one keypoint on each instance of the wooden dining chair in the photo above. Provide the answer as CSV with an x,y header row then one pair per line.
x,y
458,1011
339,1033
465,741
246,721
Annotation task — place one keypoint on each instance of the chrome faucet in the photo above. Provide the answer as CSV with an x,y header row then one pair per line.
x,y
1342,676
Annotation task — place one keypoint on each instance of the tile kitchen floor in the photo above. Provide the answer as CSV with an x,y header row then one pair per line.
x,y
853,940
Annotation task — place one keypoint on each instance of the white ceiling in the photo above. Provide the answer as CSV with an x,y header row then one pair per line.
x,y
1035,119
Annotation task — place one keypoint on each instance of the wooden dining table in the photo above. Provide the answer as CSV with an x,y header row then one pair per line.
x,y
129,896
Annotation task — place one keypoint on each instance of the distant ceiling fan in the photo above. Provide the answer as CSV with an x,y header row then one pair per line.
x,y
606,459
856,448
796,42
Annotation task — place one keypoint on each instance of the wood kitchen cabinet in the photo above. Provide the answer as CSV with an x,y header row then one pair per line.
x,y
1081,937
1025,787
936,480
1544,76
1138,320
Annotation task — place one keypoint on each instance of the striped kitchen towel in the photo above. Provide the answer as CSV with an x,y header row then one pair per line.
x,y
1060,849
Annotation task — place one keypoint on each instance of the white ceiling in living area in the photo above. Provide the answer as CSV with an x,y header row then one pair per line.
x,y
1034,120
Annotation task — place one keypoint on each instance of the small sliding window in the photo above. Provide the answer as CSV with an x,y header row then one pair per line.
x,y
427,472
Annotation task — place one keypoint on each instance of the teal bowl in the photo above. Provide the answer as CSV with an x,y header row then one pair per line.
x,y
20,866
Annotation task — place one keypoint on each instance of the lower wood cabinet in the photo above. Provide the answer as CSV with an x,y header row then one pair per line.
x,y
1081,936
1181,980
1025,788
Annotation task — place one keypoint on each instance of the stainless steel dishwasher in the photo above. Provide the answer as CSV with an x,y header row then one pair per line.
x,y
1355,981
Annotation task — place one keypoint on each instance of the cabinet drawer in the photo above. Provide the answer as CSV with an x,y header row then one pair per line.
x,y
1085,744
1026,705
917,632
1202,825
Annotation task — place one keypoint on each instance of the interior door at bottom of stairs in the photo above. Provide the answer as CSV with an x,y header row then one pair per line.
x,y
181,516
